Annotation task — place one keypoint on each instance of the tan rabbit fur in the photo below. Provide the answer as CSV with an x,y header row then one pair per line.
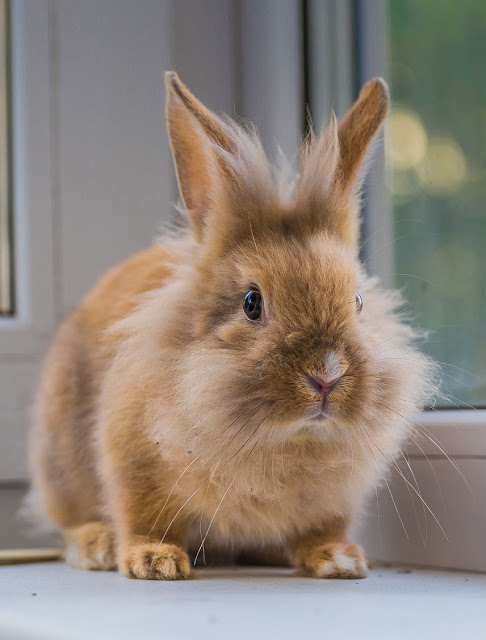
x,y
168,422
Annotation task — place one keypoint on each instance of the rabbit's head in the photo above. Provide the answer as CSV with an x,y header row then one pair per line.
x,y
279,315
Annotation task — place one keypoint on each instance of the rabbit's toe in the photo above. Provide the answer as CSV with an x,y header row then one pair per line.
x,y
154,561
90,546
335,560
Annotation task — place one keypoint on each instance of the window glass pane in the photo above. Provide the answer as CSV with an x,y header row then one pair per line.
x,y
436,153
6,248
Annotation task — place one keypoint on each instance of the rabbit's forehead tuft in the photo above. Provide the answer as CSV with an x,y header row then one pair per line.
x,y
291,272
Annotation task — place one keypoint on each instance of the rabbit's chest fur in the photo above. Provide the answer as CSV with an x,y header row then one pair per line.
x,y
275,494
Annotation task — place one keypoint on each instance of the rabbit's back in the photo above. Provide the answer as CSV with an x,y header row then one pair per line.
x,y
63,456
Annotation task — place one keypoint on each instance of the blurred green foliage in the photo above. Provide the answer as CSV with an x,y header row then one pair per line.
x,y
437,52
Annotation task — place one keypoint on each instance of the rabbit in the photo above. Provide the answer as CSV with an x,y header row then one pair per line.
x,y
241,385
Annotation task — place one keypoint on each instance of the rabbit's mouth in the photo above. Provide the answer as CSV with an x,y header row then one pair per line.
x,y
322,416
322,412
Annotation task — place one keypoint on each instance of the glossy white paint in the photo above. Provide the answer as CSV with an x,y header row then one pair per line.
x,y
240,604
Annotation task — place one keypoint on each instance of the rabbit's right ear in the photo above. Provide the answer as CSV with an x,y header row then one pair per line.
x,y
194,133
359,126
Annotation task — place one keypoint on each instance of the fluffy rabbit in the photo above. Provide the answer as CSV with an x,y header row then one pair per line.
x,y
243,386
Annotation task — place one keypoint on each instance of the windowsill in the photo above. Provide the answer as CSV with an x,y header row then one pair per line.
x,y
239,603
460,433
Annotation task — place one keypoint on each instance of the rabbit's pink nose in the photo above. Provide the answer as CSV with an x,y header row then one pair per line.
x,y
322,387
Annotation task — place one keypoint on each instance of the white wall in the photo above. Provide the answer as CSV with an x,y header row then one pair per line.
x,y
111,159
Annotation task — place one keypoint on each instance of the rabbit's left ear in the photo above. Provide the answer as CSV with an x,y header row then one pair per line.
x,y
222,170
331,164
358,128
195,133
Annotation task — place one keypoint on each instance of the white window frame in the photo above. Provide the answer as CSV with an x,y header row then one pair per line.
x,y
25,333
459,435
23,337
457,426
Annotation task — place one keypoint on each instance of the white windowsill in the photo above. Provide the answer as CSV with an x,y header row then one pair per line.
x,y
460,433
239,603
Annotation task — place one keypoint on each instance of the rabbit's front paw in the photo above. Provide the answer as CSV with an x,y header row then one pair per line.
x,y
154,561
90,546
334,560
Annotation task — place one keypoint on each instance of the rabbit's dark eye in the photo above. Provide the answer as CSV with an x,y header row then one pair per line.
x,y
253,305
359,303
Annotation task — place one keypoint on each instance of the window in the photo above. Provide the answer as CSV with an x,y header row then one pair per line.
x,y
436,155
6,243
88,152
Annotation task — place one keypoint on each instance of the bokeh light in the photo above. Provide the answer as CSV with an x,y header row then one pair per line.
x,y
406,142
443,170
